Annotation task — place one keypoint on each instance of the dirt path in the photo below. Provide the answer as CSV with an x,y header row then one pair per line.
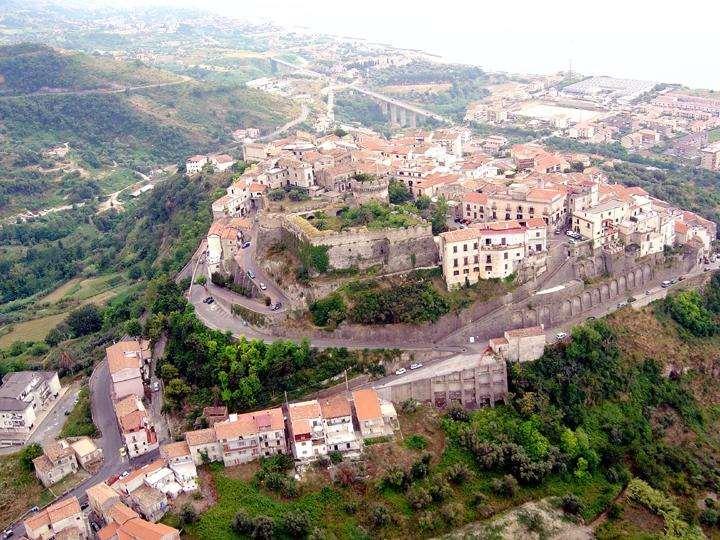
x,y
99,90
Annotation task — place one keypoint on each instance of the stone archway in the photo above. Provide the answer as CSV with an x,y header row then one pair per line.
x,y
566,310
576,305
604,291
613,288
586,300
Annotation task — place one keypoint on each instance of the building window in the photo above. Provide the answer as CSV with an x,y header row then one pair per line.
x,y
465,261
454,249
455,263
475,245
488,259
505,255
503,241
538,247
464,247
456,272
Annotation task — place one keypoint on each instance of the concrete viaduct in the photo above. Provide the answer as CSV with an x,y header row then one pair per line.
x,y
398,112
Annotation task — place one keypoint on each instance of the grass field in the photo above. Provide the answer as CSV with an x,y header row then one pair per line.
x,y
713,135
79,423
97,290
19,489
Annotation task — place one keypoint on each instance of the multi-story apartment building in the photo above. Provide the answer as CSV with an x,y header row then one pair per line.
x,y
137,430
338,423
710,157
246,437
306,430
57,461
64,519
600,224
22,395
489,250
102,498
203,445
128,365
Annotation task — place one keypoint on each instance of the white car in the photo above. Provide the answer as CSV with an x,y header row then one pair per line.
x,y
416,365
263,287
400,371
561,335
156,386
124,474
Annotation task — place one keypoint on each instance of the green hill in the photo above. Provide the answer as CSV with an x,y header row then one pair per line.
x,y
135,126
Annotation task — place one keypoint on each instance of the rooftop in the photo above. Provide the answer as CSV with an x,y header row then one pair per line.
x,y
367,404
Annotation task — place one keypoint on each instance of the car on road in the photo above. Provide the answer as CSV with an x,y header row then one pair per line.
x,y
156,386
561,335
95,527
34,509
572,241
124,474
246,245
648,292
707,269
263,287
277,306
673,281
400,371
681,278
590,318
622,304
416,365
67,412
84,505
8,533
665,284
250,274
208,300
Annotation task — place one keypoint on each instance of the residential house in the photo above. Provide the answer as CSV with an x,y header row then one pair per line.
x,y
375,416
127,363
149,502
203,445
338,424
57,462
214,414
101,499
23,395
61,519
87,453
306,430
137,430
245,437
521,344
221,162
194,164
180,461
138,529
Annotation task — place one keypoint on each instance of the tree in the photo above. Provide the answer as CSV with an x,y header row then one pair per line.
x,y
398,193
133,327
188,514
168,372
85,320
242,523
175,392
439,216
29,453
263,528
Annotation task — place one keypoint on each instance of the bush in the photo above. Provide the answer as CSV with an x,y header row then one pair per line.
x,y
452,512
85,320
396,479
263,528
419,470
571,504
458,473
335,457
507,486
296,524
709,517
419,497
428,521
380,515
242,523
458,413
29,453
328,311
188,514
410,405
440,489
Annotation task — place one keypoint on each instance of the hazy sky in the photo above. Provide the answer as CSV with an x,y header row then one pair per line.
x,y
669,41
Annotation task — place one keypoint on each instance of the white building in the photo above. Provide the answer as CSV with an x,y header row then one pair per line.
x,y
307,432
23,395
338,424
194,164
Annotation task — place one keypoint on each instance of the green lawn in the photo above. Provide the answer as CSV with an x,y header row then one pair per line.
x,y
714,135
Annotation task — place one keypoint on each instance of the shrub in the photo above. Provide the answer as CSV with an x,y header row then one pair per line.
x,y
396,479
419,470
346,475
296,524
380,515
29,453
506,486
419,497
242,523
416,442
188,514
263,528
615,511
452,512
335,456
458,473
440,489
709,517
350,507
458,413
428,521
409,406
533,522
571,504
328,311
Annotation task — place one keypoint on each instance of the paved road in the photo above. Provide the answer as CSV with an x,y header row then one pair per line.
x,y
100,90
104,417
50,427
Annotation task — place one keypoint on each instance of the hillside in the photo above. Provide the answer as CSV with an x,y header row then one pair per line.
x,y
160,119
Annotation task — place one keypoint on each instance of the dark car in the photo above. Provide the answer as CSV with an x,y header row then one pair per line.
x,y
246,245
277,306
208,300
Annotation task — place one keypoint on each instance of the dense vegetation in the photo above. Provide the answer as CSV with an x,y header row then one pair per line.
x,y
202,366
373,215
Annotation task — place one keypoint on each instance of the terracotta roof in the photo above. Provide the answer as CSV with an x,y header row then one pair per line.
x,y
57,450
681,227
120,356
108,531
133,421
139,529
127,406
477,198
498,341
255,186
534,223
101,493
232,429
526,332
335,407
200,436
143,471
175,450
367,404
42,463
54,513
196,157
120,513
215,411
458,235
544,195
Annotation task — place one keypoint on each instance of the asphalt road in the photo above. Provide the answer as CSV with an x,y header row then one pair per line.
x,y
51,425
111,441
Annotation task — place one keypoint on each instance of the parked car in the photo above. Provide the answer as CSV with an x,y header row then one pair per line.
x,y
572,241
208,300
277,306
250,274
263,287
561,335
665,284
590,318
67,412
569,233
124,474
84,505
34,509
156,386
622,304
416,365
673,281
246,245
400,371
8,533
